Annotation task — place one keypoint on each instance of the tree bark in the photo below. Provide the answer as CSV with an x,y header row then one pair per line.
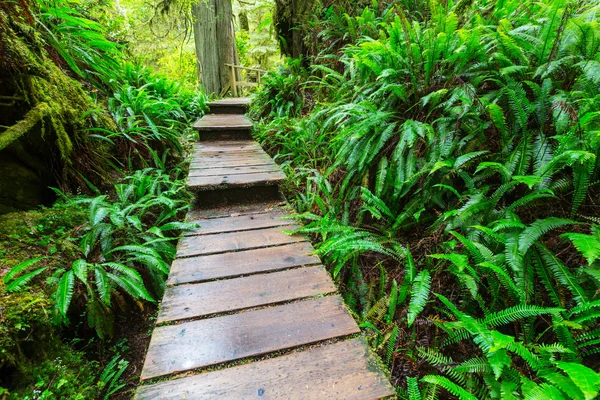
x,y
214,38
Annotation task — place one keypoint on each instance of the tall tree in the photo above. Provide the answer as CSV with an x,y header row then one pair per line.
x,y
292,19
214,37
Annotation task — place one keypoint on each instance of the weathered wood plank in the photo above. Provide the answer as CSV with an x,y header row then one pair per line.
x,y
267,178
239,223
232,163
231,153
235,241
201,299
212,122
340,371
235,210
232,101
199,148
250,169
225,265
211,341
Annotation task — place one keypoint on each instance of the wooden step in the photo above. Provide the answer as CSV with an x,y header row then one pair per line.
x,y
226,265
236,105
228,165
224,127
202,299
235,241
197,344
235,179
236,210
239,223
339,371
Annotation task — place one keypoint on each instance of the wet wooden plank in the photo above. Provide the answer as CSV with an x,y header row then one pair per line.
x,y
253,162
235,241
236,210
202,299
246,169
244,145
211,341
211,122
239,223
230,153
226,265
245,179
232,101
341,371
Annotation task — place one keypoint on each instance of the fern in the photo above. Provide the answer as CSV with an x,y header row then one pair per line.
x,y
419,294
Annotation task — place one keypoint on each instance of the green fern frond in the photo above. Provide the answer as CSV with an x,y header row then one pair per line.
x,y
419,295
450,386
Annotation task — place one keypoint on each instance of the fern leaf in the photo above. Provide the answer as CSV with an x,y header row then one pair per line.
x,y
516,313
23,280
64,293
450,386
419,295
17,269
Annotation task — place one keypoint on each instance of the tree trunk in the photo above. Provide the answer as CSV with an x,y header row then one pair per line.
x,y
214,38
291,20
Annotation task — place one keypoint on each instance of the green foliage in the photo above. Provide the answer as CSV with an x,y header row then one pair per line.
x,y
126,243
453,148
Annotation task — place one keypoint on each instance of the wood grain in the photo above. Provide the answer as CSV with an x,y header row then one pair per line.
x,y
224,265
211,341
233,101
201,299
235,210
235,241
223,121
234,170
259,178
339,371
239,223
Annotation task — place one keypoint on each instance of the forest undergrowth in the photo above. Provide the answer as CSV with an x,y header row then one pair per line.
x,y
444,158
81,277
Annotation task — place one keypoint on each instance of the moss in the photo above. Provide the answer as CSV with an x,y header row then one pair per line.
x,y
56,109
25,326
32,118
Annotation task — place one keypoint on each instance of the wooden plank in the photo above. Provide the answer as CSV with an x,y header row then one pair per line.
x,y
202,299
239,223
233,101
223,121
226,265
231,157
197,344
227,146
231,163
341,371
246,179
235,210
235,241
242,169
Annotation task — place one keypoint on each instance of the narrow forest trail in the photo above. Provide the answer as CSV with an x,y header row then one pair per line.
x,y
249,311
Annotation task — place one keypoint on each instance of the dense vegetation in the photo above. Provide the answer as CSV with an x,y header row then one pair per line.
x,y
444,156
81,277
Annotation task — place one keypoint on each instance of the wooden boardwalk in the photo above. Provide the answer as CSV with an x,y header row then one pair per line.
x,y
249,311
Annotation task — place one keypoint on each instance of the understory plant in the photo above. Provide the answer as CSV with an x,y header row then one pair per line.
x,y
124,249
456,201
